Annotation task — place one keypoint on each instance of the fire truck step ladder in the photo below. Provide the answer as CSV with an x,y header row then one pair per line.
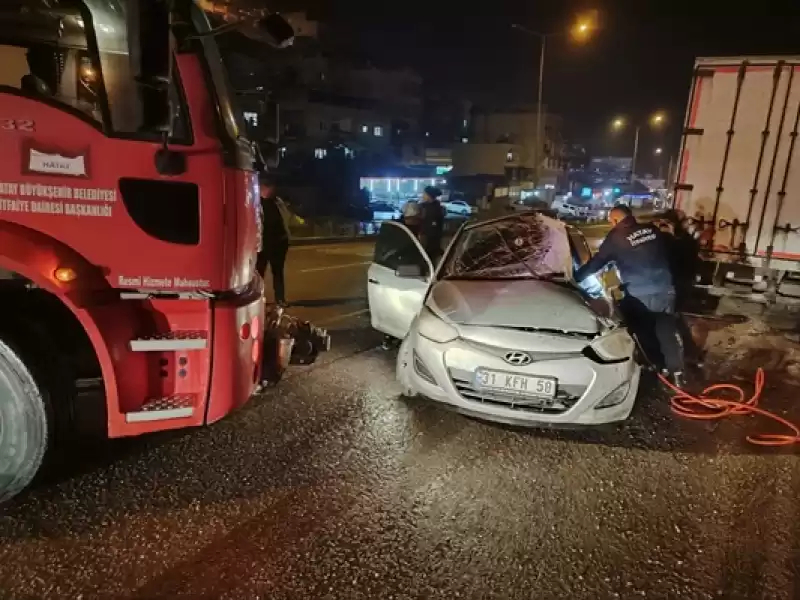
x,y
161,409
171,342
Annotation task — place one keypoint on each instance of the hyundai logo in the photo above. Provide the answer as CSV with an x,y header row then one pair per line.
x,y
517,358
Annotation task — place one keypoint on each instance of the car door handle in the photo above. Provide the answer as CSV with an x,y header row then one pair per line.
x,y
375,281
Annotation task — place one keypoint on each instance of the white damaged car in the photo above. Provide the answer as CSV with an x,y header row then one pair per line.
x,y
498,330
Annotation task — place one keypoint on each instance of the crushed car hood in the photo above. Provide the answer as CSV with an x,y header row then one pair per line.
x,y
520,304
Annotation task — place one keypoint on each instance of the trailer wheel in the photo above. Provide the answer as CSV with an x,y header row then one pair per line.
x,y
23,424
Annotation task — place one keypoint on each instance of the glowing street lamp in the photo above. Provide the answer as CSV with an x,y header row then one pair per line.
x,y
656,120
583,28
658,151
580,31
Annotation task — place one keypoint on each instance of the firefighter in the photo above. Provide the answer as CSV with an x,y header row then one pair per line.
x,y
275,232
640,254
431,228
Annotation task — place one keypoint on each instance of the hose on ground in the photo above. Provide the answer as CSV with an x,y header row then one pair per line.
x,y
710,405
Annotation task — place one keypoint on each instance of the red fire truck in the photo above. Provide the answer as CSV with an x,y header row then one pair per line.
x,y
129,225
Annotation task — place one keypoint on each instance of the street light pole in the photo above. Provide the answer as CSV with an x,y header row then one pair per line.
x,y
668,181
635,152
581,30
538,149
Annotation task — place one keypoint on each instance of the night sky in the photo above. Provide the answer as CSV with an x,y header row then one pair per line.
x,y
639,59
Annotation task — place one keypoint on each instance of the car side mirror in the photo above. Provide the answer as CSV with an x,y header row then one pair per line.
x,y
408,271
276,30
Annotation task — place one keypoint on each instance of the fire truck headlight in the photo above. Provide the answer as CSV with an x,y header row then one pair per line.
x,y
65,275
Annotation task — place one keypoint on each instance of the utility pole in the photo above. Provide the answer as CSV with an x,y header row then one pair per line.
x,y
656,120
668,180
635,152
580,31
536,154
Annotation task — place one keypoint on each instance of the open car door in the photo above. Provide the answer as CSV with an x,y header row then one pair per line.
x,y
397,279
593,285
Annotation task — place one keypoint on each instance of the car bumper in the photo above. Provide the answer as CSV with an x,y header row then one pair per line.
x,y
443,373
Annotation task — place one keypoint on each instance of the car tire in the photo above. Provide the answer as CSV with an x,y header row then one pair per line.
x,y
24,424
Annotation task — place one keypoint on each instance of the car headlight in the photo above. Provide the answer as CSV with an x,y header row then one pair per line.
x,y
613,347
435,329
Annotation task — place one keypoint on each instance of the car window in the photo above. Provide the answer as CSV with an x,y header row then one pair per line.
x,y
580,247
395,247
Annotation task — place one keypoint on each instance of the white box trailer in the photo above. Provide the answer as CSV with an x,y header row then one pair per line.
x,y
739,170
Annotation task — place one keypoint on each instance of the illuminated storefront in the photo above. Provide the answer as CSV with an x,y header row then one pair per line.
x,y
397,190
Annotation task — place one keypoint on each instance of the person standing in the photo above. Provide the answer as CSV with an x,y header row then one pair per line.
x,y
411,216
431,227
275,237
641,256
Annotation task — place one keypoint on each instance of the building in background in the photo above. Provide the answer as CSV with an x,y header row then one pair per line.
x,y
371,113
606,180
323,118
499,149
310,100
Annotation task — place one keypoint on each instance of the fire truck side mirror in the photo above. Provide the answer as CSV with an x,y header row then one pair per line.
x,y
275,30
170,162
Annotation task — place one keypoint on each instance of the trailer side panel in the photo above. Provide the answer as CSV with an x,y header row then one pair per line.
x,y
739,165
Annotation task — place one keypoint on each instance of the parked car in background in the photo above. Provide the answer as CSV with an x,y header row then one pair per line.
x,y
384,212
597,215
459,207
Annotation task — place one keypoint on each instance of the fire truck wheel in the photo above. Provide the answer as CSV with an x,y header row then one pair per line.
x,y
23,424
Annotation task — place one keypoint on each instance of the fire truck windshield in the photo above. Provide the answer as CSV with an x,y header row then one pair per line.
x,y
78,55
229,113
45,53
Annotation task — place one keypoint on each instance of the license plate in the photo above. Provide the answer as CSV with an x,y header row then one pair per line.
x,y
514,383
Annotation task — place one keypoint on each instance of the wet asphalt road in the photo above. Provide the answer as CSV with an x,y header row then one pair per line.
x,y
332,486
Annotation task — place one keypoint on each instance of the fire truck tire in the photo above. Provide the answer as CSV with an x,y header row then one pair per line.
x,y
23,424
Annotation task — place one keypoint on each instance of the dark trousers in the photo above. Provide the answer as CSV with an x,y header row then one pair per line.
x,y
652,319
433,249
683,291
275,258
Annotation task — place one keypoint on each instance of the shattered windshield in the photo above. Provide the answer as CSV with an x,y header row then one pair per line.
x,y
530,246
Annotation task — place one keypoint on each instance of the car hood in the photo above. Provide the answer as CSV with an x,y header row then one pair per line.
x,y
518,304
